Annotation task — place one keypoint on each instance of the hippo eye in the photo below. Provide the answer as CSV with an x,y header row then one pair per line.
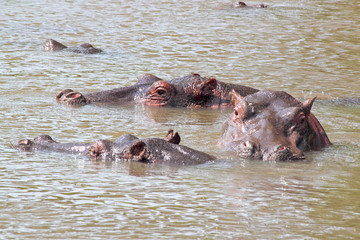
x,y
302,119
161,92
236,113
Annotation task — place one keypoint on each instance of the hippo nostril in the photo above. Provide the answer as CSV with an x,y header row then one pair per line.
x,y
73,95
249,145
282,148
247,149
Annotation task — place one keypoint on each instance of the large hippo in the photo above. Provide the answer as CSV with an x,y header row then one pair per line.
x,y
125,148
244,5
51,45
272,125
188,91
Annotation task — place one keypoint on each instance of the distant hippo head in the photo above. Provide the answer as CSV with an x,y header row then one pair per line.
x,y
39,142
189,91
52,45
129,147
148,150
70,97
244,5
272,125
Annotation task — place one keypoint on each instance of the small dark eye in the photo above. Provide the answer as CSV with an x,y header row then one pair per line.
x,y
236,113
302,121
161,92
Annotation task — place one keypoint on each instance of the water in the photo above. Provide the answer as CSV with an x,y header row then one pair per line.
x,y
306,48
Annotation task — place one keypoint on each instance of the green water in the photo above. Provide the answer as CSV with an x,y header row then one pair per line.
x,y
306,48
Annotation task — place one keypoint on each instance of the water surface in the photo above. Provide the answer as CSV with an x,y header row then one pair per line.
x,y
306,48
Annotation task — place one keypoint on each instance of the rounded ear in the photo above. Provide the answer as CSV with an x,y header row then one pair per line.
x,y
210,84
137,151
235,97
307,105
172,138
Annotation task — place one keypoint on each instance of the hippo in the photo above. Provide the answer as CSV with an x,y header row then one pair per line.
x,y
244,5
52,46
272,126
188,91
126,148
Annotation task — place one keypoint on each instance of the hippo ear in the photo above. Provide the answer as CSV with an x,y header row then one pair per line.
x,y
172,138
235,97
210,84
137,151
307,105
23,145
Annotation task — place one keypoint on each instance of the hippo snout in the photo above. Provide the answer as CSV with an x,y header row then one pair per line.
x,y
23,145
248,149
282,153
70,97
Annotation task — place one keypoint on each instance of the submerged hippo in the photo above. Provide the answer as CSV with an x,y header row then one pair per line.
x,y
189,91
244,5
86,48
126,148
272,125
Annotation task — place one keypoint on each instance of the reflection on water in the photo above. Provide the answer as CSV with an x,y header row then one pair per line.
x,y
304,48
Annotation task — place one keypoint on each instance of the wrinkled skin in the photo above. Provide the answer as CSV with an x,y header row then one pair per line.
x,y
86,48
273,126
190,91
244,5
125,148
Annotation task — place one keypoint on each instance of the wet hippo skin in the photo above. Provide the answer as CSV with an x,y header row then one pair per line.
x,y
189,91
273,126
52,45
126,148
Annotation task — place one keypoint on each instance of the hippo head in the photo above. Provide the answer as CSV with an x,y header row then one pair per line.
x,y
86,48
129,147
190,91
107,150
240,4
70,97
272,125
27,145
52,45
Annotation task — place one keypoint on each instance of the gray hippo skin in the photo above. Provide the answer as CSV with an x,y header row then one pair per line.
x,y
86,48
272,126
125,148
189,91
244,5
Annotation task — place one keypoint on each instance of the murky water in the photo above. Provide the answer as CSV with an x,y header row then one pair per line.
x,y
306,48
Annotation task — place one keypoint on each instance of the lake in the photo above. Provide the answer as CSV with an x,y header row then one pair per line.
x,y
306,48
